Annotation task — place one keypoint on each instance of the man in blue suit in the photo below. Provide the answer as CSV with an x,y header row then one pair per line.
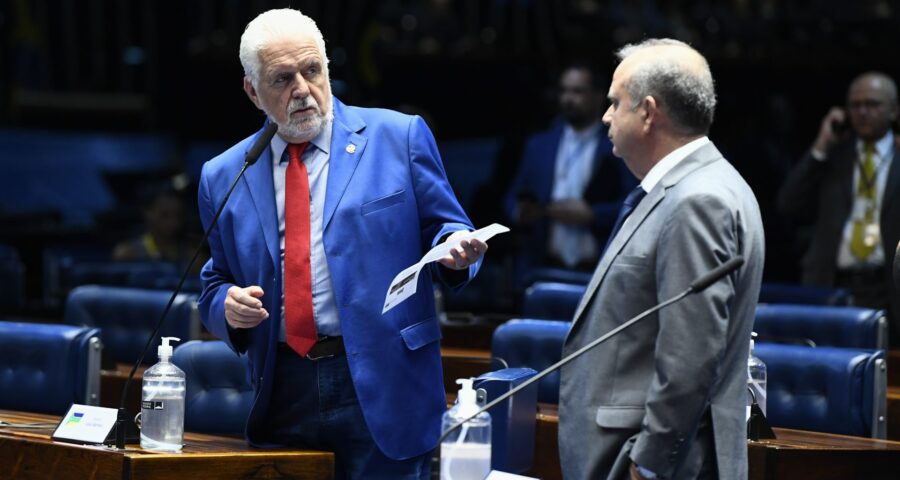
x,y
569,187
304,252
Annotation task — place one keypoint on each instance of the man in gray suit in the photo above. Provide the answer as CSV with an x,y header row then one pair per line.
x,y
665,398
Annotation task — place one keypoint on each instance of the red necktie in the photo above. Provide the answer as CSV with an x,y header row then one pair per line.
x,y
299,324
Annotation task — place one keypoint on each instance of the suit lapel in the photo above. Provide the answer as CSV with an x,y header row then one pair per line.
x,y
261,185
347,147
845,170
634,220
702,156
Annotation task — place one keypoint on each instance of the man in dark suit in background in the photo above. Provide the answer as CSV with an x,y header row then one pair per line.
x,y
569,186
847,185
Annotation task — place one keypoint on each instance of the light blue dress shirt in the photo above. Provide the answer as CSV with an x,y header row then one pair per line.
x,y
316,158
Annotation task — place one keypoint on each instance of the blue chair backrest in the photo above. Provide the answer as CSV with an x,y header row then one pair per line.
x,y
558,275
512,420
64,171
469,164
58,263
803,294
218,396
533,344
552,300
825,389
128,316
46,368
123,274
849,327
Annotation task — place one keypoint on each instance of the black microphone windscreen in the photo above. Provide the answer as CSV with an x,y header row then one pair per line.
x,y
262,141
715,274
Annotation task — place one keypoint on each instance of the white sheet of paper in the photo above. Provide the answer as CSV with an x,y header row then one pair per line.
x,y
405,283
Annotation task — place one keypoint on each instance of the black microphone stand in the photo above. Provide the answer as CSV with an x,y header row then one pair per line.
x,y
123,417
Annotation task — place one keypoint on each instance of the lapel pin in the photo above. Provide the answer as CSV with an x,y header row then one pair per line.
x,y
351,148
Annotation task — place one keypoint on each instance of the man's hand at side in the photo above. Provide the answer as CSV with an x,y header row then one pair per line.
x,y
243,309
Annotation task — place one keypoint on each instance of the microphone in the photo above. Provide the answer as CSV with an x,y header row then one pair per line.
x,y
697,286
715,274
262,141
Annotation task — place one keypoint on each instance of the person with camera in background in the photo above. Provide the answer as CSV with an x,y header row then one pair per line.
x,y
846,185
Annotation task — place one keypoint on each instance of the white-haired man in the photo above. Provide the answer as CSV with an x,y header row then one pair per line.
x,y
342,200
665,398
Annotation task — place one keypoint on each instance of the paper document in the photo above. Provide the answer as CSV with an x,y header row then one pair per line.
x,y
404,284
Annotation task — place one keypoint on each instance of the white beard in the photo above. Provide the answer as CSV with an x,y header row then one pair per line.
x,y
303,129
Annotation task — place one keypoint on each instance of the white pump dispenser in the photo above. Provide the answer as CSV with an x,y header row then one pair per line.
x,y
164,350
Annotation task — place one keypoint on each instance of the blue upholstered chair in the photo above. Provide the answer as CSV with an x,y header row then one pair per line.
x,y
533,344
218,396
127,316
824,389
552,300
803,294
558,275
45,368
123,274
849,327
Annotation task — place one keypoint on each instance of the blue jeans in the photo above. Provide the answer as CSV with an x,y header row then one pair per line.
x,y
314,406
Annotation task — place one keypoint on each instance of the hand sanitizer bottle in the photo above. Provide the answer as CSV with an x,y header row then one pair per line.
x,y
466,453
162,403
756,381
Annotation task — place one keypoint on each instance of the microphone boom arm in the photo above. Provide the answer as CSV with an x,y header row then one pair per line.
x,y
260,144
567,359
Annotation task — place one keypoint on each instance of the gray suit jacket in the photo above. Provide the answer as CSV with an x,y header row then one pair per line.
x,y
669,392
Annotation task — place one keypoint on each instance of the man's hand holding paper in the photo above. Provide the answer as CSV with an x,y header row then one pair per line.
x,y
460,250
468,251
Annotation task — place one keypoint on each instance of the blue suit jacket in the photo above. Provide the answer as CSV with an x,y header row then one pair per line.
x,y
386,203
609,184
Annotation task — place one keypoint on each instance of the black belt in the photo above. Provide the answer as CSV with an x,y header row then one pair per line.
x,y
325,347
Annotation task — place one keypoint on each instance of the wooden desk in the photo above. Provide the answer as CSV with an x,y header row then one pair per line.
x,y
794,454
30,454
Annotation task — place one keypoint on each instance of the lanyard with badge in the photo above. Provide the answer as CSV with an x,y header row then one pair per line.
x,y
867,187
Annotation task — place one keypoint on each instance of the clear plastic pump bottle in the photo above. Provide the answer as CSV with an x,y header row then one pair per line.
x,y
466,453
756,378
162,403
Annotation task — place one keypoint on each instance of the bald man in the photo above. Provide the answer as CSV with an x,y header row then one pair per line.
x,y
666,398
846,186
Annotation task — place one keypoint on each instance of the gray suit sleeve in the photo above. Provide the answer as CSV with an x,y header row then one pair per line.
x,y
701,233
